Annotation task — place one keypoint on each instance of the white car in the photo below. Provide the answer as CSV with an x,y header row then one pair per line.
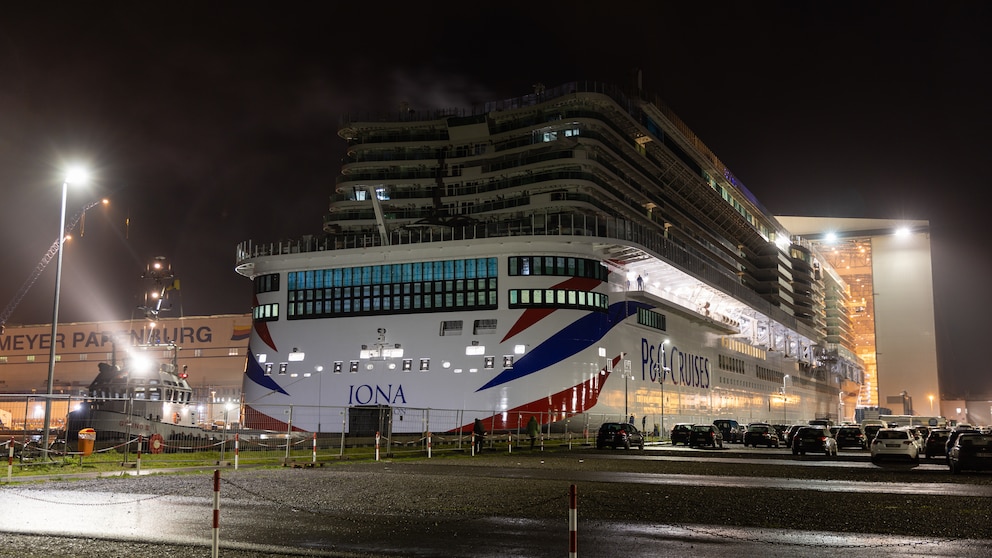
x,y
894,443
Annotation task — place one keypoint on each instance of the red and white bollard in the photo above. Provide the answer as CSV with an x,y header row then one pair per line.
x,y
215,547
10,460
377,446
428,444
235,452
313,459
509,443
473,445
573,521
140,440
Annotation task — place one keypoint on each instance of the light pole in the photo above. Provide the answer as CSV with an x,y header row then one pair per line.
x,y
625,410
785,401
662,372
78,176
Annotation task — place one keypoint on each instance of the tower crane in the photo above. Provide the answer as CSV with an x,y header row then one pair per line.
x,y
19,295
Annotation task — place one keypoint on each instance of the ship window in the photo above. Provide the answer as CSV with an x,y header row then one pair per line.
x,y
267,283
651,319
557,266
484,327
557,298
452,327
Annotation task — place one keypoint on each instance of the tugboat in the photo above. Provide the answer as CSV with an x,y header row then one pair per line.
x,y
146,398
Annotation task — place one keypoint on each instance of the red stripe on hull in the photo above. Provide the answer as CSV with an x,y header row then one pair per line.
x,y
550,409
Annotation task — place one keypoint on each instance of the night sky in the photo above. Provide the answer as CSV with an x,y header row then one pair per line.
x,y
209,123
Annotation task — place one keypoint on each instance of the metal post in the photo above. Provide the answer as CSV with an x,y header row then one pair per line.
x,y
215,544
289,431
341,453
573,521
55,324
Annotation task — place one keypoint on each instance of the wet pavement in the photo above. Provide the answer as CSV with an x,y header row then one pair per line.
x,y
506,507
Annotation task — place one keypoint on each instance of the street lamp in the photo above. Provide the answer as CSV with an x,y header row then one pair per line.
x,y
785,401
73,176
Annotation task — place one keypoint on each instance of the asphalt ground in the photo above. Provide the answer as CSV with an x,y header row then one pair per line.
x,y
420,501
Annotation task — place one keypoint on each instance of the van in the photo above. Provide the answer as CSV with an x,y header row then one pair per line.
x,y
731,430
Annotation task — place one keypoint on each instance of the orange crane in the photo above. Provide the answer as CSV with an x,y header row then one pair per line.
x,y
42,265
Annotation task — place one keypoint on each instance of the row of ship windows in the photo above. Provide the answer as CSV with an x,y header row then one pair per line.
x,y
468,268
459,286
730,364
519,298
314,304
406,365
557,265
737,365
422,272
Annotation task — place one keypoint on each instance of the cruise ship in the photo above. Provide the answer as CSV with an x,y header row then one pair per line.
x,y
575,254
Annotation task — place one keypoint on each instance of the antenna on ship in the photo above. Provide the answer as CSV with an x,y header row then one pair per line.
x,y
159,283
159,272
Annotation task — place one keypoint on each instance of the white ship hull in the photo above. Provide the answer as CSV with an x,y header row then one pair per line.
x,y
558,362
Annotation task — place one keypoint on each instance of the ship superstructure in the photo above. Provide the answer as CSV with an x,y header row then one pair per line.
x,y
576,250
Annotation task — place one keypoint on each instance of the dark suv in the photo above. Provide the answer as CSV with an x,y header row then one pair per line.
x,y
705,435
816,439
619,435
760,434
850,437
680,433
731,430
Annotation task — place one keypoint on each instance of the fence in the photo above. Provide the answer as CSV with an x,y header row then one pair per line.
x,y
309,434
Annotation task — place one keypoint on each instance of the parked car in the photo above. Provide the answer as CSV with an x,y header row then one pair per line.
x,y
917,438
971,451
871,427
850,437
680,433
619,435
759,434
953,436
894,443
936,444
816,439
780,430
705,435
790,432
730,429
